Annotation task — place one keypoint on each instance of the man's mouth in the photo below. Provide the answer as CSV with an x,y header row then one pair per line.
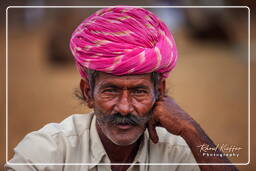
x,y
124,126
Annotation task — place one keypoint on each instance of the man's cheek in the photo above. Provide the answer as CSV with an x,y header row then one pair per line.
x,y
144,109
105,107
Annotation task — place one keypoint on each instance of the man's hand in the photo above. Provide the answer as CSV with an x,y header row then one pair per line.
x,y
167,114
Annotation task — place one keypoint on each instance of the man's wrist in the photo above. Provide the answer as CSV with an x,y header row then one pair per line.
x,y
189,130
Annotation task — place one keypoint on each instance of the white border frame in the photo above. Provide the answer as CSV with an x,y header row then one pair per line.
x,y
6,136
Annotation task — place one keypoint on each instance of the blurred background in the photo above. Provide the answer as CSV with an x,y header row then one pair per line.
x,y
210,80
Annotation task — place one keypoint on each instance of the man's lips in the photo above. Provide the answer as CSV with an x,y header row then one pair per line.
x,y
124,126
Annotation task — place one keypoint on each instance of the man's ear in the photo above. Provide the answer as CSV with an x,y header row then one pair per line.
x,y
86,92
162,88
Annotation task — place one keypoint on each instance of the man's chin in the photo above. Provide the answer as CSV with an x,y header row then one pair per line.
x,y
124,139
125,135
124,142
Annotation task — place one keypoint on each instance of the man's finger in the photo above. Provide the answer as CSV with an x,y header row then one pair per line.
x,y
152,131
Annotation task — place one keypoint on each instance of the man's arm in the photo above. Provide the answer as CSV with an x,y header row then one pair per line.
x,y
169,115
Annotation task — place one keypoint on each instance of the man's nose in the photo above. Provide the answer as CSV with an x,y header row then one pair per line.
x,y
123,106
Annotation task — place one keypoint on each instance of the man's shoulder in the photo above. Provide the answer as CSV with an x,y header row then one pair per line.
x,y
169,139
74,125
51,143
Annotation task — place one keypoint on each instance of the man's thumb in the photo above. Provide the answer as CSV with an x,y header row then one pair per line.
x,y
152,131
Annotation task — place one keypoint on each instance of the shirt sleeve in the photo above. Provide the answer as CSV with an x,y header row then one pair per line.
x,y
35,149
17,158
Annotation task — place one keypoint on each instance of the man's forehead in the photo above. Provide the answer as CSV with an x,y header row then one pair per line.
x,y
105,78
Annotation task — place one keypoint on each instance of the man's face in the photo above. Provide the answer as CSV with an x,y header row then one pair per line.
x,y
122,105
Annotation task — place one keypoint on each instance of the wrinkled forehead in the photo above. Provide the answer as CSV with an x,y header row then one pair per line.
x,y
128,81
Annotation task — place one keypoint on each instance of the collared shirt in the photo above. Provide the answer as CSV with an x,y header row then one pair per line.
x,y
74,145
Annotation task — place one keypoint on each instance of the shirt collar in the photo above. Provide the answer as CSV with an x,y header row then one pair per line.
x,y
142,154
96,147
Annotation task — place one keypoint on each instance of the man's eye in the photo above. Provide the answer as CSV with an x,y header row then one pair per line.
x,y
109,90
139,91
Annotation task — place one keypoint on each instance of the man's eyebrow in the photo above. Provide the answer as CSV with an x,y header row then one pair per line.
x,y
139,87
108,85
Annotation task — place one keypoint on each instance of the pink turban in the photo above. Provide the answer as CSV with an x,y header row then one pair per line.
x,y
123,40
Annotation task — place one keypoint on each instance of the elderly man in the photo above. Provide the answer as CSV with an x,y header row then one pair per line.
x,y
124,55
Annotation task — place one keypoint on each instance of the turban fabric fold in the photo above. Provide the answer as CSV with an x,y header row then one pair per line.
x,y
123,40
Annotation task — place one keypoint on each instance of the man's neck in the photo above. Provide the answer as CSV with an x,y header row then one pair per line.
x,y
117,153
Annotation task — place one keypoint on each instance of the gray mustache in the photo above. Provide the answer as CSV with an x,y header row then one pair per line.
x,y
129,119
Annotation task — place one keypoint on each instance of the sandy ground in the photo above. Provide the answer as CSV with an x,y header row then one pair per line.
x,y
210,82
